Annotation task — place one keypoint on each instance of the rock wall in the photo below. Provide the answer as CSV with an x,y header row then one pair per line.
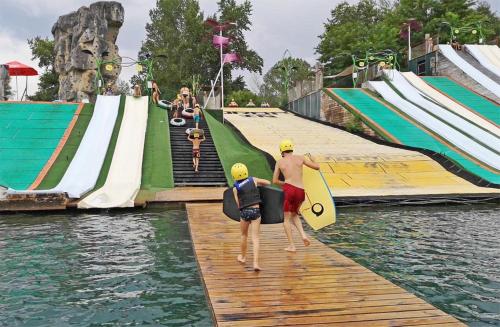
x,y
80,38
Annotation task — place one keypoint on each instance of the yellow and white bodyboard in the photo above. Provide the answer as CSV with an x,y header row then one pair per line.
x,y
318,208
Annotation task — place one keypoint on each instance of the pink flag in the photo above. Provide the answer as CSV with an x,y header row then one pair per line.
x,y
219,41
231,57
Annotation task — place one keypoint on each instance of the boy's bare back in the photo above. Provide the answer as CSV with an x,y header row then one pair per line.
x,y
291,168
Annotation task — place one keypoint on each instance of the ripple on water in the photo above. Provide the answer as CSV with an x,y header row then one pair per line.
x,y
448,255
114,268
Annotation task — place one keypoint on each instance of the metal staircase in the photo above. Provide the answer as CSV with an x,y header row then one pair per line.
x,y
210,169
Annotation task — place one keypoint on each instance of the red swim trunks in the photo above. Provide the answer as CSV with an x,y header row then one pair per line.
x,y
294,196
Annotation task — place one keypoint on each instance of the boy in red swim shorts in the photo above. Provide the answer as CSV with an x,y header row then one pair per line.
x,y
293,187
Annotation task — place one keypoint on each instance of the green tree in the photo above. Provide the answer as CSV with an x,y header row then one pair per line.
x,y
242,97
48,84
181,44
273,89
376,25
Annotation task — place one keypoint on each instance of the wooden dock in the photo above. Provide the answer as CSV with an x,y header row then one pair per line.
x,y
314,286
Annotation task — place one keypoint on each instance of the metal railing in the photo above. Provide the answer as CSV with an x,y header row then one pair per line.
x,y
309,105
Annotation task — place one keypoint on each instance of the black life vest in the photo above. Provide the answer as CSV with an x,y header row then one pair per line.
x,y
248,193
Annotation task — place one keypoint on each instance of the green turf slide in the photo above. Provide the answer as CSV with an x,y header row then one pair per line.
x,y
29,135
232,149
393,124
157,171
473,101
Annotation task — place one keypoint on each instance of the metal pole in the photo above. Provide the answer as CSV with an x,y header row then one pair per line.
x,y
409,43
17,90
222,76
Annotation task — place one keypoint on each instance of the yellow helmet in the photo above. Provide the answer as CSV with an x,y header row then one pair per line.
x,y
239,171
286,145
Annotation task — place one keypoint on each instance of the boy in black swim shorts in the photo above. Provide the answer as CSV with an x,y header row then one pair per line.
x,y
247,197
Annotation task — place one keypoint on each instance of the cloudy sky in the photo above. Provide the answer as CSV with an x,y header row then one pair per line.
x,y
277,25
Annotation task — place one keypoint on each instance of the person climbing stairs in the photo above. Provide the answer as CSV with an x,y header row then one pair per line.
x,y
210,172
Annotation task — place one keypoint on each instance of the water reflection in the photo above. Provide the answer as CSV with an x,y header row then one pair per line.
x,y
118,268
448,255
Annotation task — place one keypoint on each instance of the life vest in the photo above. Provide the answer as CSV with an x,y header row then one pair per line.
x,y
248,193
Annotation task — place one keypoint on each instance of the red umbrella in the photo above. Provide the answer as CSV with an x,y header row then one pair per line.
x,y
18,69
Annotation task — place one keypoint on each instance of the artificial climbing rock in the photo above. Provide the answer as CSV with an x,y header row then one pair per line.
x,y
81,39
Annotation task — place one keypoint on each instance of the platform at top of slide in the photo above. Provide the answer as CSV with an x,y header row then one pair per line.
x,y
394,125
452,105
30,135
483,106
124,178
351,165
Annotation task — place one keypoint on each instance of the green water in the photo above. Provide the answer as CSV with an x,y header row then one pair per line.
x,y
108,269
447,255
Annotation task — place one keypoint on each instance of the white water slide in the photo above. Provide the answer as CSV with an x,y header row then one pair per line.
x,y
492,52
426,90
483,56
475,74
83,171
124,176
461,141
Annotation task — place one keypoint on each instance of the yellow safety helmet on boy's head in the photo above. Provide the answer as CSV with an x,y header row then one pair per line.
x,y
239,171
286,145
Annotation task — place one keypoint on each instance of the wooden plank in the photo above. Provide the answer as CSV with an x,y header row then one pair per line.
x,y
314,286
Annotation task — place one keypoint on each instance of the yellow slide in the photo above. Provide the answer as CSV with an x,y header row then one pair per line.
x,y
318,209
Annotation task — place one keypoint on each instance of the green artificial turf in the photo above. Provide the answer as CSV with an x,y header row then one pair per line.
x,y
64,158
232,149
111,148
157,168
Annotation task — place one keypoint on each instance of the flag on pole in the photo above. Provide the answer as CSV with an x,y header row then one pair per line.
x,y
220,41
231,57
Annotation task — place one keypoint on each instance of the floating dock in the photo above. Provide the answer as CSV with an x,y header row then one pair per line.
x,y
314,286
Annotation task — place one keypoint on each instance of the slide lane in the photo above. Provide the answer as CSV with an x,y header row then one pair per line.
x,y
352,165
31,136
490,144
124,178
463,142
394,125
483,106
83,171
490,52
483,57
475,74
456,107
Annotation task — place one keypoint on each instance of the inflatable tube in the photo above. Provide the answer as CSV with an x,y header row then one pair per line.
x,y
177,122
187,113
191,131
164,104
271,208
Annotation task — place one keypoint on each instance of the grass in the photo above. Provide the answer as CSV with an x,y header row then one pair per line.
x,y
157,168
64,158
111,148
232,149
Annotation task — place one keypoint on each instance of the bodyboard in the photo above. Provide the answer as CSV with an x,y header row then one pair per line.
x,y
271,208
318,208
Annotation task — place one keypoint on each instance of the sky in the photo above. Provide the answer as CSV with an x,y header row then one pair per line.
x,y
278,25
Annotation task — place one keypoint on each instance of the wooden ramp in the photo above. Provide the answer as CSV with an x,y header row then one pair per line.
x,y
315,286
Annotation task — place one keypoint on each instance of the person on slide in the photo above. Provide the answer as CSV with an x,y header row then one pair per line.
x,y
247,197
293,188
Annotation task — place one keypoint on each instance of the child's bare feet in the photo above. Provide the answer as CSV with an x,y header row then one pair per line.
x,y
290,248
241,258
306,241
256,267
